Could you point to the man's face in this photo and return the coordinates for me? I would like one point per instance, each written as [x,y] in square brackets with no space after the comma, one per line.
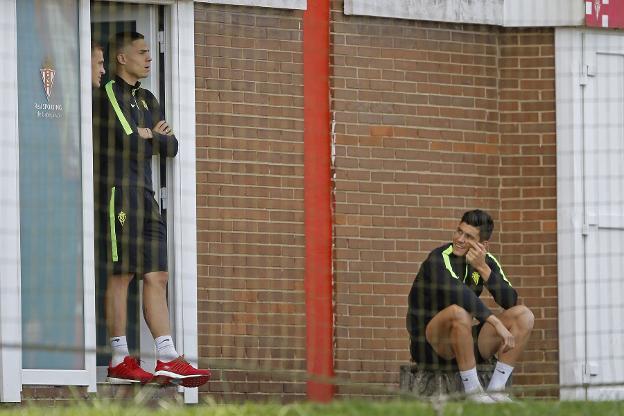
[136,59]
[97,67]
[461,237]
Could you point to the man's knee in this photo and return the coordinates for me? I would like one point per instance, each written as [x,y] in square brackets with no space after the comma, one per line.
[156,278]
[119,281]
[523,317]
[456,317]
[459,315]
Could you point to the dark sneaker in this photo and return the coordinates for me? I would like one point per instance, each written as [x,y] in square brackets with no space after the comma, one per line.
[179,371]
[128,371]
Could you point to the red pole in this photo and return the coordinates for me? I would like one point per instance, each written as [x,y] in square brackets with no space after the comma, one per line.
[317,193]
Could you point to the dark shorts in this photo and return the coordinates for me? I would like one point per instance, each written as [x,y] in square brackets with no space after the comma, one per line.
[423,353]
[131,232]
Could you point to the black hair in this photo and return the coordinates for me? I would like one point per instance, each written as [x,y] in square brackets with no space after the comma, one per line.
[481,220]
[119,41]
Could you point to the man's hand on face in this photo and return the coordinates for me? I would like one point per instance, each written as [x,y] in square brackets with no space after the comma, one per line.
[145,133]
[476,255]
[163,128]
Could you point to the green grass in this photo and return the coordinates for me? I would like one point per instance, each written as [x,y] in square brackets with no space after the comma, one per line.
[337,408]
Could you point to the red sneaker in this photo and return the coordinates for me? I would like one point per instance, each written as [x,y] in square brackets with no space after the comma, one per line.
[128,371]
[179,371]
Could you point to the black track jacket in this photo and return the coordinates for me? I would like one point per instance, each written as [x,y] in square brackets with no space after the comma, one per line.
[445,279]
[121,157]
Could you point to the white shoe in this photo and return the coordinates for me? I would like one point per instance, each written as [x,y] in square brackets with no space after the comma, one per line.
[480,397]
[500,397]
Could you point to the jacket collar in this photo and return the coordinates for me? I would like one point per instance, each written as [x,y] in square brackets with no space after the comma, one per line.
[125,87]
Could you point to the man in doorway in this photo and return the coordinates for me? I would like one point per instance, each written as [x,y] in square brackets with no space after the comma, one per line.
[97,64]
[444,300]
[129,127]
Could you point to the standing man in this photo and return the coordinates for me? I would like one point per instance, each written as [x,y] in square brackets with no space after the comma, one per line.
[129,129]
[444,299]
[97,64]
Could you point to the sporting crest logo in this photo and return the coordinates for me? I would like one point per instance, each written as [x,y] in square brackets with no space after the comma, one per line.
[47,77]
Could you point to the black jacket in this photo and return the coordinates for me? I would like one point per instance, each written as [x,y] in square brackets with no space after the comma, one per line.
[121,157]
[445,279]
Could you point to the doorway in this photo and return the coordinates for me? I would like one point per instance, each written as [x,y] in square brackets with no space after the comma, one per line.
[108,18]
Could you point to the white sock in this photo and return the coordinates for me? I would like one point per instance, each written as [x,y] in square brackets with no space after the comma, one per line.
[165,351]
[119,345]
[471,380]
[500,376]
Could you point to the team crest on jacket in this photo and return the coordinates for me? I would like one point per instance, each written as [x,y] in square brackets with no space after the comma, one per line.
[475,276]
[122,218]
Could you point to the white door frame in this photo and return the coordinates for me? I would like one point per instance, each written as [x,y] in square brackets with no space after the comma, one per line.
[12,375]
[180,98]
[84,377]
[573,216]
[181,111]
[570,210]
[10,270]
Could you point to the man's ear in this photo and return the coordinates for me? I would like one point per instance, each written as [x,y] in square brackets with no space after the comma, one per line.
[486,244]
[121,58]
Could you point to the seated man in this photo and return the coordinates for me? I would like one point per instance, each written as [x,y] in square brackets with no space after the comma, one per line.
[444,299]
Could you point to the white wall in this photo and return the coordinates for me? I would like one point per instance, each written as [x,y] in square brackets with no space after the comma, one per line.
[511,13]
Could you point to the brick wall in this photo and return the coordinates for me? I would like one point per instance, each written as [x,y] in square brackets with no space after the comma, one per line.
[249,95]
[528,190]
[432,119]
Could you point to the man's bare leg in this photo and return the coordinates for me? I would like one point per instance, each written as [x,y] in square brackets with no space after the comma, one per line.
[450,335]
[117,304]
[155,308]
[116,301]
[519,321]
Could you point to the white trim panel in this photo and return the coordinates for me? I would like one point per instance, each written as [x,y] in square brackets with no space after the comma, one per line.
[528,13]
[10,291]
[86,145]
[570,212]
[542,13]
[165,2]
[182,193]
[275,4]
[57,377]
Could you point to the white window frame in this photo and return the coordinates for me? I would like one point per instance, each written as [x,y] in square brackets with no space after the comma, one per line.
[12,374]
[10,290]
[84,377]
[181,96]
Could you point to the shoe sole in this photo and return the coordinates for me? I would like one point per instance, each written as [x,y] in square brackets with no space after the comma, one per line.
[115,380]
[186,381]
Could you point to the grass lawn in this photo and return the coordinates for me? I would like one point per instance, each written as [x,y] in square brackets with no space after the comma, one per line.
[337,408]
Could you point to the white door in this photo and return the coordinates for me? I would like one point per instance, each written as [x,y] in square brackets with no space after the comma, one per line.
[108,18]
[604,208]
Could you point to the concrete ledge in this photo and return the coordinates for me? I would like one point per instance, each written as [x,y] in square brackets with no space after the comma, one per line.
[427,382]
[148,394]
[508,13]
[275,4]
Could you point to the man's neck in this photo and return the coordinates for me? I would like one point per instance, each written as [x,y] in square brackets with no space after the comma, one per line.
[129,79]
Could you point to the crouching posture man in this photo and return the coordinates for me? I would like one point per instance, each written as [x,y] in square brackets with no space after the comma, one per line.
[444,300]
